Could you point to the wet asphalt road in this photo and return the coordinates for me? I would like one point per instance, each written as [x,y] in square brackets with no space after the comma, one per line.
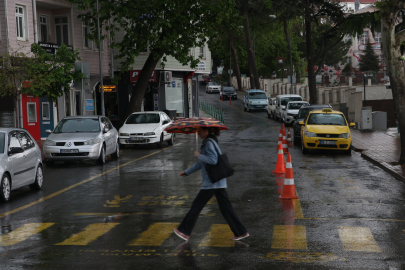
[350,214]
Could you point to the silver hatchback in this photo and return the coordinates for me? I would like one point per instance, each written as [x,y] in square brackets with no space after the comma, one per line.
[82,137]
[20,161]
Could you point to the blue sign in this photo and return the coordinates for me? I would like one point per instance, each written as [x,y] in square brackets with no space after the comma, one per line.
[174,83]
[89,105]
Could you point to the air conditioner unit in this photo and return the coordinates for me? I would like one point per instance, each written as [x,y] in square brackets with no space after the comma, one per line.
[166,76]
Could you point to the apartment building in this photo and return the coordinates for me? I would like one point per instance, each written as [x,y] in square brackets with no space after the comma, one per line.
[51,23]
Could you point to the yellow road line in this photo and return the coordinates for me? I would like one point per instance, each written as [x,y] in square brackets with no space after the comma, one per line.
[155,234]
[298,209]
[89,234]
[78,184]
[22,233]
[219,236]
[358,239]
[289,237]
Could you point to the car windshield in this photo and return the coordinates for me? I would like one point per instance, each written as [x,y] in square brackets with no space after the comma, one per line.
[257,95]
[144,118]
[78,125]
[229,90]
[213,83]
[285,100]
[327,119]
[295,106]
[2,142]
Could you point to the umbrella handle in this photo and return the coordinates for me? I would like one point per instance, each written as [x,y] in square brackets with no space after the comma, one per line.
[196,141]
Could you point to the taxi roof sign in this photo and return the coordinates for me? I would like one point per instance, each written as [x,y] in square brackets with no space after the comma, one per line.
[327,110]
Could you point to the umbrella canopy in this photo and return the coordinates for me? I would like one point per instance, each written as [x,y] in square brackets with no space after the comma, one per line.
[190,125]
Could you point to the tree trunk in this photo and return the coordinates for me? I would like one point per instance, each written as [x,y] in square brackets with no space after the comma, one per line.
[254,82]
[395,70]
[235,60]
[313,97]
[138,93]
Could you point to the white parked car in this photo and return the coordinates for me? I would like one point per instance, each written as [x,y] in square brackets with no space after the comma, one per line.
[212,87]
[291,110]
[146,128]
[271,108]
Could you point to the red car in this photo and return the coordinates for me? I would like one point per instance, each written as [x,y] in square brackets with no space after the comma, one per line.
[207,79]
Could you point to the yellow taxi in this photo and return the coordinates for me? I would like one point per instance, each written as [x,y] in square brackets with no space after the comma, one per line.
[326,129]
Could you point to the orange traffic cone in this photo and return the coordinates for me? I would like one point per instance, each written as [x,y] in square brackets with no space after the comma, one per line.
[284,143]
[280,138]
[289,141]
[280,167]
[289,187]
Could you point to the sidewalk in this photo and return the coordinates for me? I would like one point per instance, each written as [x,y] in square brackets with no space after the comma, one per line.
[381,148]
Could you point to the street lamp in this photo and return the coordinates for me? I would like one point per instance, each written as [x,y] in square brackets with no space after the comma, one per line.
[366,76]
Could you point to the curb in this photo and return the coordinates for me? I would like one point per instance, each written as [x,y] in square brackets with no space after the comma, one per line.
[383,165]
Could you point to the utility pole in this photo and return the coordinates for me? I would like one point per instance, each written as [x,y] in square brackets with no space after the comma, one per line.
[289,45]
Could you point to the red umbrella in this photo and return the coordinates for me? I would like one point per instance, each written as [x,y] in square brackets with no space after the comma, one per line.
[191,125]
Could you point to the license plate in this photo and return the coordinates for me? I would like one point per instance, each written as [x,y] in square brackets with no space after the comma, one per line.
[69,151]
[328,142]
[136,139]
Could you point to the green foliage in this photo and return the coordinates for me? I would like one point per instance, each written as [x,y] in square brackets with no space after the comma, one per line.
[348,69]
[167,27]
[39,74]
[369,60]
[52,74]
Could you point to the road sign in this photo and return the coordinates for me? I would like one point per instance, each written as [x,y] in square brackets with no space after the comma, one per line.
[230,71]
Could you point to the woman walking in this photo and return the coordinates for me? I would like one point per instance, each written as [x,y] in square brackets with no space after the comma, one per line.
[208,155]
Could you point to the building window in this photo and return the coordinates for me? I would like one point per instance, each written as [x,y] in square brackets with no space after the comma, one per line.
[364,38]
[44,28]
[20,22]
[202,52]
[46,114]
[62,30]
[87,44]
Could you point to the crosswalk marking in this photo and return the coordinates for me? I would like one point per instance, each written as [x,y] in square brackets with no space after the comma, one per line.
[89,234]
[22,233]
[219,236]
[155,234]
[358,239]
[289,237]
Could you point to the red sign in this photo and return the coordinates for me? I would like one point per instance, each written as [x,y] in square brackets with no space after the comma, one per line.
[338,73]
[134,75]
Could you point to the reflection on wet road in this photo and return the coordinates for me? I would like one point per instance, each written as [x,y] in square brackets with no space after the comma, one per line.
[349,215]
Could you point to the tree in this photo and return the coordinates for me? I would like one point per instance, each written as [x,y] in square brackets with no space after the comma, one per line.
[369,60]
[38,73]
[167,27]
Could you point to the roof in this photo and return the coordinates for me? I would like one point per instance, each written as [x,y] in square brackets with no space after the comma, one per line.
[83,116]
[145,112]
[317,106]
[8,129]
[289,96]
[298,101]
[320,111]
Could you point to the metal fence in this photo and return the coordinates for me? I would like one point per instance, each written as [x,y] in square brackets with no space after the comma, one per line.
[212,111]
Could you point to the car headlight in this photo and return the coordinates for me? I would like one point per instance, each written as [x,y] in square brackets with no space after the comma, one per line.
[309,134]
[250,101]
[124,134]
[92,141]
[50,143]
[344,135]
[149,133]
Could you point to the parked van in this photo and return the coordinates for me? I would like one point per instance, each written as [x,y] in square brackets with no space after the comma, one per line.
[281,102]
[255,99]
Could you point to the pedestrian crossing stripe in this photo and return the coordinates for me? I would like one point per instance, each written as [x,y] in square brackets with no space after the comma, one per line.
[22,233]
[219,236]
[88,235]
[289,237]
[358,239]
[155,235]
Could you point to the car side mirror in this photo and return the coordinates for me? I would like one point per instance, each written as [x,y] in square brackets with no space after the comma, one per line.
[15,150]
[301,122]
[48,131]
[352,124]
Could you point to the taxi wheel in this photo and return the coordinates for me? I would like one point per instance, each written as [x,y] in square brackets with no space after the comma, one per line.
[304,150]
[348,151]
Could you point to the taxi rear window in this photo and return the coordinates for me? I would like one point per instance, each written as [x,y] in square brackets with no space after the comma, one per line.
[326,119]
